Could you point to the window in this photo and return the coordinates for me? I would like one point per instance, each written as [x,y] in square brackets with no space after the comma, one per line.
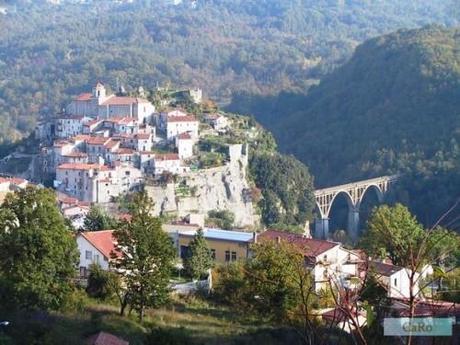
[233,256]
[213,254]
[88,255]
[227,256]
[183,252]
[82,272]
[395,282]
[96,259]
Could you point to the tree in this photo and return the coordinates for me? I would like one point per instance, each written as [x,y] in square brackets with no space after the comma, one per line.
[198,259]
[147,256]
[98,219]
[38,255]
[223,219]
[394,232]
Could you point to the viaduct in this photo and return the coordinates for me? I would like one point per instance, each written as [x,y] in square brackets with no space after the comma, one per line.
[354,193]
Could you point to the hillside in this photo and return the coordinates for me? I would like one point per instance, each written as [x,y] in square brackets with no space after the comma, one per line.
[394,107]
[50,52]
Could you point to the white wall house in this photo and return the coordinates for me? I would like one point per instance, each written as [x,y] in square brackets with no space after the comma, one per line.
[394,279]
[167,162]
[69,126]
[329,261]
[184,145]
[217,121]
[95,182]
[95,247]
[181,124]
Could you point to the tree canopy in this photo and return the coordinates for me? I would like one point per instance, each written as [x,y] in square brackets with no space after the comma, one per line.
[147,255]
[38,254]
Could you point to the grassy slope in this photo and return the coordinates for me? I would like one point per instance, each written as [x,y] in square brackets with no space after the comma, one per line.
[194,320]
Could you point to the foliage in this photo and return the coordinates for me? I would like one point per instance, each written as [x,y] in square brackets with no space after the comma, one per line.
[38,254]
[359,122]
[257,46]
[102,284]
[147,256]
[198,259]
[394,232]
[222,219]
[229,284]
[451,287]
[287,189]
[97,219]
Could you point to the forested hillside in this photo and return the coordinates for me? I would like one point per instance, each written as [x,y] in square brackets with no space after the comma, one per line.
[393,108]
[48,52]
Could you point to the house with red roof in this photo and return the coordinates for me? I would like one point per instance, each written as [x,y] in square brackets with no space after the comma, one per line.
[184,145]
[329,261]
[95,247]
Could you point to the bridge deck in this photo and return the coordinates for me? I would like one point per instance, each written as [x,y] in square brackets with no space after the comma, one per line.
[357,184]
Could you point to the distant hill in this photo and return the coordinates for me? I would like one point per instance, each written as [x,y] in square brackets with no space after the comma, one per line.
[49,52]
[399,92]
[393,108]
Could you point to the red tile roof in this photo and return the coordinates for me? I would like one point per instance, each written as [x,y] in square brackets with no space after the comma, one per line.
[103,240]
[111,143]
[142,136]
[383,269]
[187,118]
[431,308]
[97,140]
[84,97]
[116,100]
[76,154]
[82,166]
[166,156]
[103,338]
[311,247]
[124,151]
[184,136]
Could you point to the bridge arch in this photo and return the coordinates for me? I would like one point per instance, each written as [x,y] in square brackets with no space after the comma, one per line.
[354,194]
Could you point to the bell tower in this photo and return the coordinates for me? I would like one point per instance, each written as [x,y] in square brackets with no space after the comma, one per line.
[99,93]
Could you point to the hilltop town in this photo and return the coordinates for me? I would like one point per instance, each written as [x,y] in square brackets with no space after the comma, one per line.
[105,146]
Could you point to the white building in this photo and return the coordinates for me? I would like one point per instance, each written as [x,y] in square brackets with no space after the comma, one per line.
[95,182]
[394,279]
[184,145]
[69,126]
[217,121]
[99,104]
[331,264]
[167,162]
[95,247]
[176,125]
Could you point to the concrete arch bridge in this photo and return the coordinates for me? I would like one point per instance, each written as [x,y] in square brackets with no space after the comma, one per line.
[354,194]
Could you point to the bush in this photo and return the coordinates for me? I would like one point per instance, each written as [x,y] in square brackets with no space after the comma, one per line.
[101,283]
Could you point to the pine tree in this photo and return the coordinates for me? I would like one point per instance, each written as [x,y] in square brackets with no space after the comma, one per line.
[38,255]
[147,256]
[97,219]
[199,258]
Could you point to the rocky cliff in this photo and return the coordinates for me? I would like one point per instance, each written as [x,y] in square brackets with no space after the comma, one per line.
[220,188]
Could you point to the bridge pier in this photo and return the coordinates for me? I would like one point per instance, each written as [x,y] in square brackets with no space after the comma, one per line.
[322,228]
[353,223]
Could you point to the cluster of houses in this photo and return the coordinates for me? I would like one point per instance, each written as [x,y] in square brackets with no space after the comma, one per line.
[105,144]
[329,261]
